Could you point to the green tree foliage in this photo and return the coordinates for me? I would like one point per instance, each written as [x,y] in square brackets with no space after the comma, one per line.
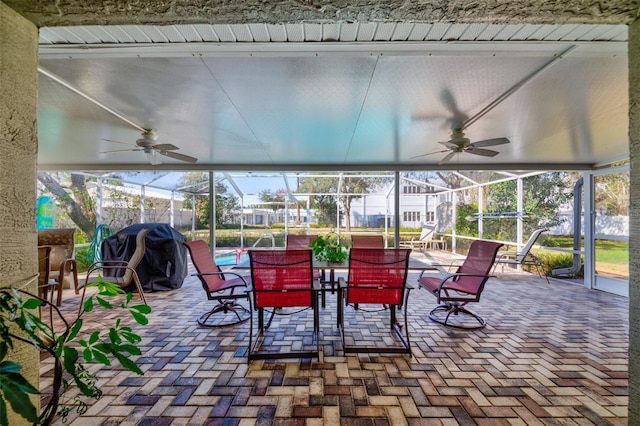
[227,205]
[543,195]
[323,198]
[464,226]
[612,194]
[273,201]
[71,195]
[79,205]
[325,189]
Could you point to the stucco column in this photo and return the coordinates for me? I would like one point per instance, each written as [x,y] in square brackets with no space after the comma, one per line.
[634,221]
[18,150]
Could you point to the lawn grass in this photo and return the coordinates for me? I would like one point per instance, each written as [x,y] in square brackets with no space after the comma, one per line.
[612,257]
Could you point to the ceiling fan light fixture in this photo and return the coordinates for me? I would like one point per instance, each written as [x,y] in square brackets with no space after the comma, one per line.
[153,158]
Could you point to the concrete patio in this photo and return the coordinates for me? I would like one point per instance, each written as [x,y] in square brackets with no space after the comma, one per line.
[550,354]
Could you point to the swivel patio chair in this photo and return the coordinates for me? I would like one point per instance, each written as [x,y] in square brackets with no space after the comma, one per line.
[455,291]
[119,272]
[367,241]
[524,257]
[282,279]
[376,277]
[225,288]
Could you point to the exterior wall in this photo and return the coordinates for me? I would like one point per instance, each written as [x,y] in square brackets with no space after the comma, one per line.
[634,242]
[370,209]
[100,12]
[18,149]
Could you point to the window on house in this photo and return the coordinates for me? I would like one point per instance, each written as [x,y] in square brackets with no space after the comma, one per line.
[411,216]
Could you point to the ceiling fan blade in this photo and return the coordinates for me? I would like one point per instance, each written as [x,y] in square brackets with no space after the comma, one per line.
[491,142]
[120,142]
[447,157]
[177,156]
[120,150]
[430,153]
[479,151]
[165,147]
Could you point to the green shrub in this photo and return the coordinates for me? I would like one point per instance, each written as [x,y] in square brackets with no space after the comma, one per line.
[552,260]
[81,258]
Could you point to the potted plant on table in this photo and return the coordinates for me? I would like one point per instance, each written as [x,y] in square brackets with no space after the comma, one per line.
[69,345]
[329,248]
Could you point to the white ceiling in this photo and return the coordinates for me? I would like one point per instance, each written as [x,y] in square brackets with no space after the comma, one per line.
[275,97]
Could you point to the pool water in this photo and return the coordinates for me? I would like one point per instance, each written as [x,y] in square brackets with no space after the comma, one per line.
[229,259]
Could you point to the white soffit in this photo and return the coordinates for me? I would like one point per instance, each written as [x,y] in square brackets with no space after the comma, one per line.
[342,32]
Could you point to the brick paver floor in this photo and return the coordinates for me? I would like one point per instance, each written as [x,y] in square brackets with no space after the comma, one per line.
[550,354]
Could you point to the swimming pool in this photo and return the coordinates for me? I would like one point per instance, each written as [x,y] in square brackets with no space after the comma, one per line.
[231,258]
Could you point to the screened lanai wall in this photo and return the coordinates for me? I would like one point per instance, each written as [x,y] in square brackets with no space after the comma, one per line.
[419,198]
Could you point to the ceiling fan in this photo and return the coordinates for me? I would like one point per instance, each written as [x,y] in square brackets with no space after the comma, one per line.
[459,144]
[147,144]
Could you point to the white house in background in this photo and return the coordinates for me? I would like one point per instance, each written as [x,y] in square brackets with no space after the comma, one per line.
[418,204]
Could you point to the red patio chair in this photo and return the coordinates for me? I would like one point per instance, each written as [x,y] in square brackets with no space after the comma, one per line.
[377,277]
[295,241]
[367,241]
[281,279]
[456,290]
[219,288]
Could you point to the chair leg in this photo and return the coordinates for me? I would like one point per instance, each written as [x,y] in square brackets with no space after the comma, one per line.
[455,309]
[84,290]
[538,264]
[225,307]
[136,280]
[404,348]
[74,274]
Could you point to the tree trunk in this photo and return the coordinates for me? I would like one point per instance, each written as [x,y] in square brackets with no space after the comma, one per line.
[71,207]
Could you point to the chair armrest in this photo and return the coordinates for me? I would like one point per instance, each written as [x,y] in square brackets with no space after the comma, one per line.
[342,283]
[506,255]
[448,277]
[67,265]
[113,264]
[243,279]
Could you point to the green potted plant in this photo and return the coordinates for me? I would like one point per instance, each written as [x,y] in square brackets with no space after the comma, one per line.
[68,343]
[329,248]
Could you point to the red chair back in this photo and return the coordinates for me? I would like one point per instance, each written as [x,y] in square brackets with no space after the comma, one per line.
[480,259]
[281,278]
[377,275]
[367,241]
[299,241]
[203,262]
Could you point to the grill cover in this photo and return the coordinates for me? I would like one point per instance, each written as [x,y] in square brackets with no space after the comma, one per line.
[164,265]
